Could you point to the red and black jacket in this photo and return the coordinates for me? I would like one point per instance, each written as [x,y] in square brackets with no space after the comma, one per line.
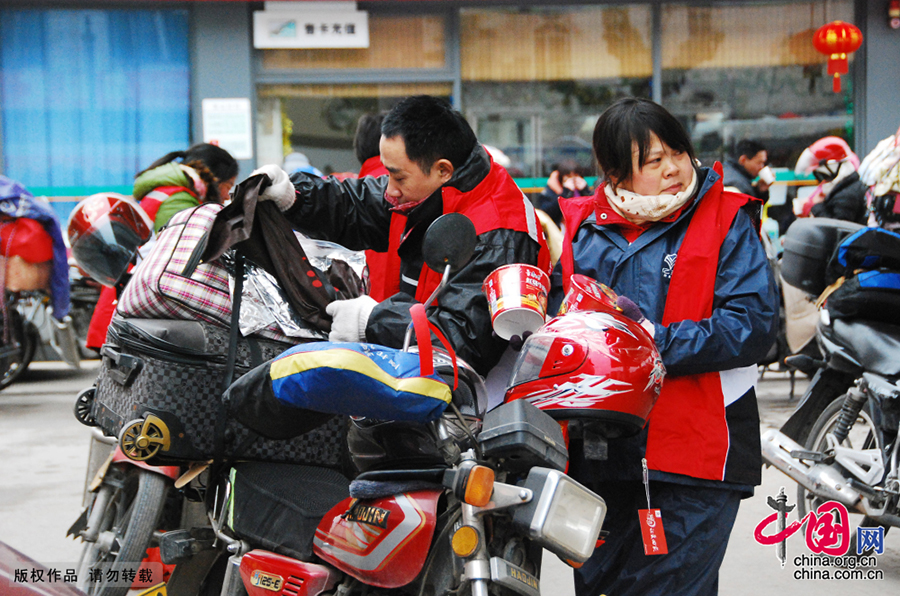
[354,213]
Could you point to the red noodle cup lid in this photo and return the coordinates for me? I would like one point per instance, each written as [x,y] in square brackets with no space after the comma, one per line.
[517,298]
[588,294]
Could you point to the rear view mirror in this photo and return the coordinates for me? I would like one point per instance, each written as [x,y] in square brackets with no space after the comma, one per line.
[449,240]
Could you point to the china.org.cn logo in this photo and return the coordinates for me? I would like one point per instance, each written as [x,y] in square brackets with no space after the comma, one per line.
[828,537]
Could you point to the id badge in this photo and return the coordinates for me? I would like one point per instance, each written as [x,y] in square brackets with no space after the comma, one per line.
[652,532]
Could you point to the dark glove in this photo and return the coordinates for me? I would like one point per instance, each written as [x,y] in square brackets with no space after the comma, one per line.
[633,312]
[516,342]
[630,309]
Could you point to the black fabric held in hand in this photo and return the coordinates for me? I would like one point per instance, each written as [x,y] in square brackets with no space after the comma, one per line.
[265,236]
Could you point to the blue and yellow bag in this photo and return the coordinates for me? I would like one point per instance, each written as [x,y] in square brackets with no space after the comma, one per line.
[303,387]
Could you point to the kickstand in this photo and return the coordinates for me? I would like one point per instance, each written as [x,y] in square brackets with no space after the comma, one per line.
[793,381]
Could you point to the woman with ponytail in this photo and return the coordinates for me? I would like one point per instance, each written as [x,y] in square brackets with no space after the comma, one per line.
[176,181]
[183,179]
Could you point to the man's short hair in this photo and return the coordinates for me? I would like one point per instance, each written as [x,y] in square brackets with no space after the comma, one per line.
[368,135]
[747,148]
[431,130]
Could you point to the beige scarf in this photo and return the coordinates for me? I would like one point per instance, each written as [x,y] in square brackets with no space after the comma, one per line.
[641,209]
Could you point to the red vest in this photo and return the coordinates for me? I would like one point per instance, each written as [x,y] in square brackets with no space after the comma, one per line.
[687,429]
[496,203]
[379,263]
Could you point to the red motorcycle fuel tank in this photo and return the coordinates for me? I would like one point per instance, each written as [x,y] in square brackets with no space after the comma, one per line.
[265,573]
[381,542]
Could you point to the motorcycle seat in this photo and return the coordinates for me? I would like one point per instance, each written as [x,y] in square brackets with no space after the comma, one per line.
[874,345]
[279,506]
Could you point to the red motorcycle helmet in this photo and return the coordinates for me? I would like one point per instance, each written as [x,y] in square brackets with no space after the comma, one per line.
[105,231]
[823,158]
[597,366]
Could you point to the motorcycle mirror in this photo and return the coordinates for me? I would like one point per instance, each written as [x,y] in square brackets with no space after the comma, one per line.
[449,240]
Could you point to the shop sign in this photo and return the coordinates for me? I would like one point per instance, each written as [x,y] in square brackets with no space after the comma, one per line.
[310,25]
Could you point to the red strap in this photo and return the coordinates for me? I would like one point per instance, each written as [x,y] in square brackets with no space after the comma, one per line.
[423,328]
[423,339]
[450,351]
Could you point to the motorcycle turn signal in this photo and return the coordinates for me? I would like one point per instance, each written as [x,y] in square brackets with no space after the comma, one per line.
[471,483]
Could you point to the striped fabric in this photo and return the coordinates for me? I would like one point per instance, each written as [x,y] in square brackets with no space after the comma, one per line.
[159,289]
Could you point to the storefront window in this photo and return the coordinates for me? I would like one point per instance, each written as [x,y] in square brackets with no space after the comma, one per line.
[421,45]
[320,120]
[536,79]
[90,97]
[734,72]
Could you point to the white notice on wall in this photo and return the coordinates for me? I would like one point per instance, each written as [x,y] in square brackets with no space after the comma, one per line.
[227,123]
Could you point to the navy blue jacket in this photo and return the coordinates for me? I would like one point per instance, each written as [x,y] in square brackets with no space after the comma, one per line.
[745,307]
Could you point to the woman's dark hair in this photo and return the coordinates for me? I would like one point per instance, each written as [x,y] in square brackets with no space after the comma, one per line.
[630,121]
[212,163]
[368,136]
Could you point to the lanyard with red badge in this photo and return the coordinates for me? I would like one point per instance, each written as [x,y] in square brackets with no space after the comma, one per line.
[651,523]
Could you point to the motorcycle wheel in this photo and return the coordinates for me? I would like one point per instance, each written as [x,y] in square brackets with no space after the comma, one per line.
[18,353]
[126,528]
[862,435]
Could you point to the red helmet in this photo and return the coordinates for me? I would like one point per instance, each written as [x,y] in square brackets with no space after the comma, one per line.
[105,231]
[594,366]
[824,152]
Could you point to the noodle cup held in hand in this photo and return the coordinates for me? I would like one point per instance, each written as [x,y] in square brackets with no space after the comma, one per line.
[517,298]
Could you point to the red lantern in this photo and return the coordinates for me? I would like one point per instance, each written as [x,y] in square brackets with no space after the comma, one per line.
[836,40]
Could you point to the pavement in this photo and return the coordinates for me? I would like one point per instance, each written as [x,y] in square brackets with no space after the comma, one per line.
[44,450]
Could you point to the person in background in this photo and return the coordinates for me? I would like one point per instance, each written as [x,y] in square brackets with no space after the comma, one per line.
[184,179]
[298,162]
[686,261]
[366,146]
[178,180]
[435,166]
[746,162]
[840,194]
[565,181]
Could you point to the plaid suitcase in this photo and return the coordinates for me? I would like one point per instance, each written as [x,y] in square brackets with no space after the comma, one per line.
[169,374]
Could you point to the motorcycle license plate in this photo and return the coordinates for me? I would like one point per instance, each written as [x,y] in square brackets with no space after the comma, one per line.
[159,590]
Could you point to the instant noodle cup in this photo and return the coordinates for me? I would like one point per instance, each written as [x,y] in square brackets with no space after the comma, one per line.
[588,294]
[517,298]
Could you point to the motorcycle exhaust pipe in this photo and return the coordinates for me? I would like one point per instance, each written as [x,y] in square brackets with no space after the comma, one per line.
[825,481]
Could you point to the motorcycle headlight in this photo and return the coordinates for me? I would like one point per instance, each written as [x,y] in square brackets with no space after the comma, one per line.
[564,517]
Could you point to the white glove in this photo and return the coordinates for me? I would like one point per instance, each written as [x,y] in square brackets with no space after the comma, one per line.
[281,191]
[349,318]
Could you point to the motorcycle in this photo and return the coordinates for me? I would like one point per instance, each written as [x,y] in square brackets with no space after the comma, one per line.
[850,453]
[29,324]
[840,443]
[125,503]
[492,494]
[486,492]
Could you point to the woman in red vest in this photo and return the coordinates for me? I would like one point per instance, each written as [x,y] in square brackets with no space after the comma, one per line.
[687,260]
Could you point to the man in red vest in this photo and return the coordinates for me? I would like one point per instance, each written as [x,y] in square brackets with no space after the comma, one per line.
[687,263]
[435,166]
